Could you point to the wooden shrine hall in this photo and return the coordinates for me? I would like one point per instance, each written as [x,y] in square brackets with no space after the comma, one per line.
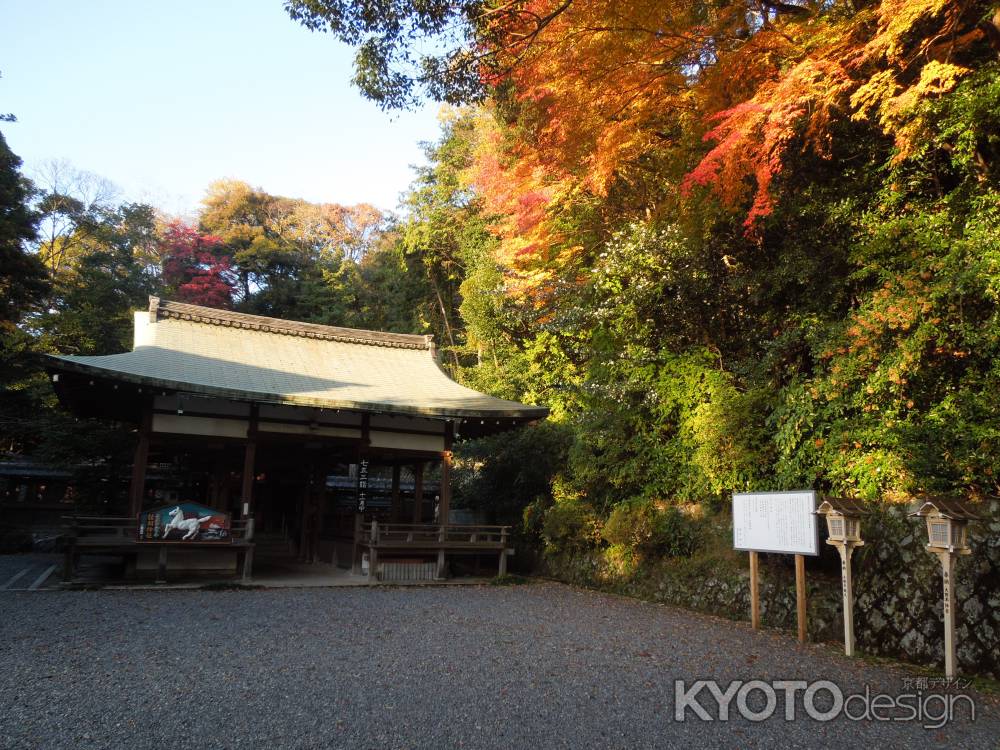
[320,443]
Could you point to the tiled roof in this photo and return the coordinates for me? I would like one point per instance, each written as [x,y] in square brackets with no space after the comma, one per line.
[164,309]
[187,348]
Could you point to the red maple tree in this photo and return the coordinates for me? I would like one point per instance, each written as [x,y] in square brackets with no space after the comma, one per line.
[194,267]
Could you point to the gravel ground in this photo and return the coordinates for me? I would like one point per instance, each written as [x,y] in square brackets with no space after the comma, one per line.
[540,665]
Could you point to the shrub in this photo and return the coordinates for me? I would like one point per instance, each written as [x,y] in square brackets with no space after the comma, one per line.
[651,529]
[569,526]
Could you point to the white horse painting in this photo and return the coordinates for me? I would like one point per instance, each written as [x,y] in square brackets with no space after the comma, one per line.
[189,526]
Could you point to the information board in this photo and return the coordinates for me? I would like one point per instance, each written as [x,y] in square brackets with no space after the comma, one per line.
[776,522]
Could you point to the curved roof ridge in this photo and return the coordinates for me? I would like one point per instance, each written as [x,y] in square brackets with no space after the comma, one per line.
[160,309]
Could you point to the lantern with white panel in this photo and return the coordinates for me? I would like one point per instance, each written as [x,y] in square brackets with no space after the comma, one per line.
[843,525]
[947,536]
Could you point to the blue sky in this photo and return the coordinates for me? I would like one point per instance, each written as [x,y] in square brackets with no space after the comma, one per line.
[164,97]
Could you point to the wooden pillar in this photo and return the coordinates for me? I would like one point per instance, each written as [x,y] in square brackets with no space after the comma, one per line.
[800,595]
[249,461]
[356,546]
[71,559]
[359,514]
[503,553]
[219,496]
[246,564]
[445,506]
[397,500]
[305,516]
[441,561]
[161,564]
[373,552]
[418,493]
[754,592]
[313,512]
[137,485]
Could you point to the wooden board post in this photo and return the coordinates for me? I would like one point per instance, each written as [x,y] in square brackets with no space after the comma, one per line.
[782,522]
[800,595]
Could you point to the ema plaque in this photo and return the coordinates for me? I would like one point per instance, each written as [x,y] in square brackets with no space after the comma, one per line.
[184,522]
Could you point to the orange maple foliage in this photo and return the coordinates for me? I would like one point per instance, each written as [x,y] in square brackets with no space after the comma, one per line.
[877,64]
[594,91]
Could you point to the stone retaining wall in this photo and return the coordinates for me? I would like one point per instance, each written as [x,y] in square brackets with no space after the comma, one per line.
[897,586]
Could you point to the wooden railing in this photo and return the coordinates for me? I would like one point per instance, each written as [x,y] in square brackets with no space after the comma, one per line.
[119,535]
[386,538]
[433,535]
[124,529]
[104,528]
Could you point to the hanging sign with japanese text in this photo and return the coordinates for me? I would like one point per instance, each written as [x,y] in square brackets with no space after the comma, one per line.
[362,485]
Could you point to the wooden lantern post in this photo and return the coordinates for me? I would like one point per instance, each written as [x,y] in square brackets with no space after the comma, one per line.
[948,537]
[843,523]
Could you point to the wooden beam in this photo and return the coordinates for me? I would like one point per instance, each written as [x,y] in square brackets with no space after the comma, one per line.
[418,493]
[137,485]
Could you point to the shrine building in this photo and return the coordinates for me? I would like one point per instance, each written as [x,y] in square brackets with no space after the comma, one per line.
[313,437]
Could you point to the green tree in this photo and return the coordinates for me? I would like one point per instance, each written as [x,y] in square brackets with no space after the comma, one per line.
[23,286]
[23,280]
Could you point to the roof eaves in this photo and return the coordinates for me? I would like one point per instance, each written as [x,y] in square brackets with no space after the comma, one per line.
[66,363]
